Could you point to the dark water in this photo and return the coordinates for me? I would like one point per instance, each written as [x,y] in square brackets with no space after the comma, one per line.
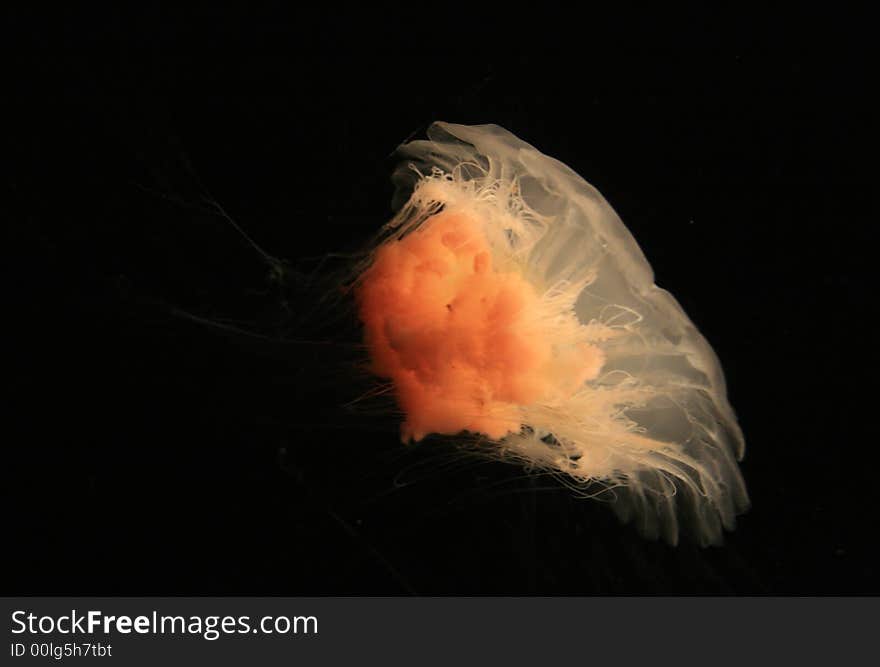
[147,452]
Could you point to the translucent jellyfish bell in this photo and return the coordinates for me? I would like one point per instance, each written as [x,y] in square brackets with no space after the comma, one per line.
[506,299]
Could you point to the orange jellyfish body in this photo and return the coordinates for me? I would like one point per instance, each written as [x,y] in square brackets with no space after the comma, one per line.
[455,335]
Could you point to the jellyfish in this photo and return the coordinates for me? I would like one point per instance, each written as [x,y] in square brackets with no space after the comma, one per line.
[505,301]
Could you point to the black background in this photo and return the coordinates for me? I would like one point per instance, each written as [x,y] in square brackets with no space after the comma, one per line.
[149,453]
